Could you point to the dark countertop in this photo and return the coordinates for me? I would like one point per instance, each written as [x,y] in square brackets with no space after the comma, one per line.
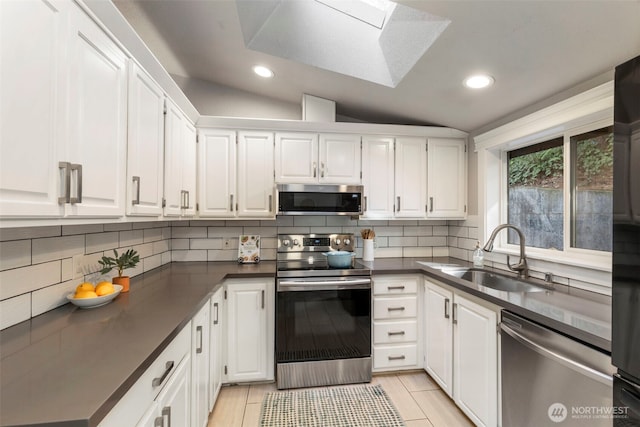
[582,315]
[70,366]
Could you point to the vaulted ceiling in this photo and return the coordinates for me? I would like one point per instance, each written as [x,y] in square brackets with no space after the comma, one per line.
[534,49]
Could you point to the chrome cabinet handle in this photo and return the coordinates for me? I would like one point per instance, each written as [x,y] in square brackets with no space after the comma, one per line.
[231,202]
[321,169]
[395,333]
[314,170]
[136,181]
[66,197]
[430,204]
[188,203]
[398,203]
[455,313]
[159,380]
[270,203]
[215,306]
[395,288]
[397,357]
[78,169]
[446,308]
[395,309]
[365,203]
[263,298]
[158,422]
[166,412]
[199,332]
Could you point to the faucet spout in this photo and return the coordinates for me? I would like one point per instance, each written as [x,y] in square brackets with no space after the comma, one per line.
[521,266]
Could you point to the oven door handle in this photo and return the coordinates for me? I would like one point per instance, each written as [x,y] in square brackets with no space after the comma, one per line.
[322,285]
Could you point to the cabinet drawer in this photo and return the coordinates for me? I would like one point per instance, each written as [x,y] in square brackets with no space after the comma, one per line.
[394,332]
[404,285]
[141,395]
[395,356]
[394,307]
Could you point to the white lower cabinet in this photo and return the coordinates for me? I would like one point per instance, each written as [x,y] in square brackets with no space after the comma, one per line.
[250,328]
[395,322]
[173,402]
[200,363]
[216,344]
[461,351]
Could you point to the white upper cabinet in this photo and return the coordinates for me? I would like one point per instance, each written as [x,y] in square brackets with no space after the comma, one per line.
[378,176]
[32,115]
[145,147]
[447,178]
[411,177]
[255,175]
[68,125]
[96,139]
[179,164]
[235,174]
[339,159]
[297,158]
[306,158]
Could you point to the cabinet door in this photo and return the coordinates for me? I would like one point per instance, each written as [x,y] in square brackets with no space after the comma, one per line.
[150,416]
[250,310]
[173,160]
[438,343]
[33,36]
[200,352]
[173,400]
[447,178]
[189,168]
[216,346]
[340,159]
[378,176]
[97,119]
[475,361]
[255,175]
[411,177]
[296,158]
[217,173]
[145,144]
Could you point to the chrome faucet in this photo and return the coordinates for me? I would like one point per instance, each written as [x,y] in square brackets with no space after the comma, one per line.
[521,267]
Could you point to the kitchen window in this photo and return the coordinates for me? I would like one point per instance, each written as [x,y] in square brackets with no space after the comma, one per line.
[539,190]
[549,173]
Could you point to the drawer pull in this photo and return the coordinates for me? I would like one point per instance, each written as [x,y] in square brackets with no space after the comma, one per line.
[397,357]
[199,335]
[395,309]
[158,422]
[395,288]
[391,333]
[166,412]
[159,380]
[446,308]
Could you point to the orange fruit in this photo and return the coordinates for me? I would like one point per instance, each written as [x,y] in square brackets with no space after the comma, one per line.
[85,294]
[104,288]
[86,286]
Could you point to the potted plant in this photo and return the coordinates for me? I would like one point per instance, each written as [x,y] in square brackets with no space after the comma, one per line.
[127,259]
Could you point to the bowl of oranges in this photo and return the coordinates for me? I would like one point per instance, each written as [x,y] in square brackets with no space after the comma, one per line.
[89,296]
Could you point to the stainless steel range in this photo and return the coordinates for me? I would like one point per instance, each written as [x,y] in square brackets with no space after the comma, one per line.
[323,314]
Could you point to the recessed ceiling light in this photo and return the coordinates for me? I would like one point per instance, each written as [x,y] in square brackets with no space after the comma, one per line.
[263,71]
[478,81]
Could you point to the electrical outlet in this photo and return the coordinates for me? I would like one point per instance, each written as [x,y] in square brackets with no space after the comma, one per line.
[226,243]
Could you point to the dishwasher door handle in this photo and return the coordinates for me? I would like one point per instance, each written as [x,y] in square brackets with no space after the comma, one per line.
[563,360]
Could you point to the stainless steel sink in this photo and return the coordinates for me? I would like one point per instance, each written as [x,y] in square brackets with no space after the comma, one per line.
[493,280]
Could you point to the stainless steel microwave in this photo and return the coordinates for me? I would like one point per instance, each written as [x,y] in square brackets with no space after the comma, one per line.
[318,199]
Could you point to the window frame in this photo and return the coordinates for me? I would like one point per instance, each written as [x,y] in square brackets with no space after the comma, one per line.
[586,111]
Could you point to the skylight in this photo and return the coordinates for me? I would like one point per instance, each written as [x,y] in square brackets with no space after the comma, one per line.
[373,12]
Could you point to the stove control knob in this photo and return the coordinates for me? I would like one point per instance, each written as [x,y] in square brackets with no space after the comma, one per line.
[337,241]
[347,242]
[295,242]
[285,243]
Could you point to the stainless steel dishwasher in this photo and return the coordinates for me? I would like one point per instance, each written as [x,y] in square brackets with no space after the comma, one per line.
[549,379]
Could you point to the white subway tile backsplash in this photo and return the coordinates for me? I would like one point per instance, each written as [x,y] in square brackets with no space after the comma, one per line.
[151,262]
[204,223]
[293,230]
[188,232]
[340,221]
[29,232]
[403,241]
[68,230]
[432,241]
[152,234]
[101,242]
[221,255]
[119,226]
[423,230]
[177,244]
[261,231]
[440,230]
[28,279]
[309,221]
[243,223]
[144,250]
[206,243]
[388,231]
[417,252]
[180,256]
[224,232]
[160,246]
[53,296]
[322,230]
[152,224]
[67,269]
[281,221]
[14,254]
[388,252]
[130,238]
[440,251]
[55,248]
[15,310]
[166,257]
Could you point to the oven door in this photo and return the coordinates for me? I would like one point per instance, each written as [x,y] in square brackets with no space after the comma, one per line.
[323,319]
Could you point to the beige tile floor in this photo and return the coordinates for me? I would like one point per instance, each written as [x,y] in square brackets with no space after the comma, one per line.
[418,399]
